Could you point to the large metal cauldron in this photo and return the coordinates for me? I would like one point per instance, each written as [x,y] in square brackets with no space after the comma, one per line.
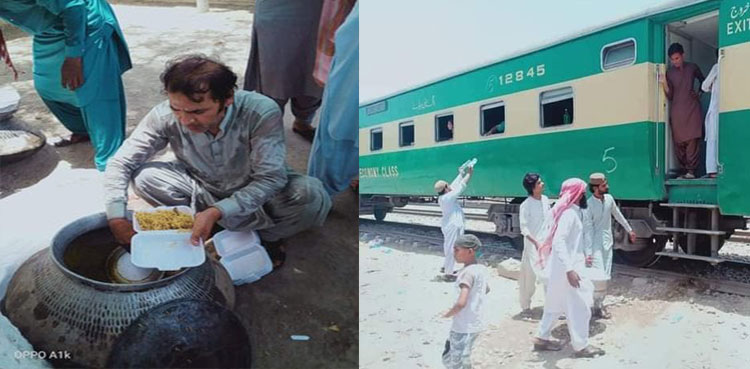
[59,310]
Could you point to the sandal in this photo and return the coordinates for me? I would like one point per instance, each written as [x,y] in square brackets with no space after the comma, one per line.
[588,351]
[276,252]
[546,345]
[308,134]
[71,140]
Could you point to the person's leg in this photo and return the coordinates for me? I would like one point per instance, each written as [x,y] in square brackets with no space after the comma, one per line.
[458,344]
[543,339]
[467,343]
[692,155]
[304,108]
[546,324]
[711,157]
[168,184]
[449,238]
[71,118]
[578,312]
[303,203]
[281,103]
[681,154]
[105,122]
[526,281]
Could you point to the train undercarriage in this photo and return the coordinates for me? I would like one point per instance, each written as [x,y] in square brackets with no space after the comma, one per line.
[697,231]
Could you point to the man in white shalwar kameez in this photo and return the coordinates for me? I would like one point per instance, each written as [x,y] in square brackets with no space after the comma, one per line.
[711,84]
[452,223]
[569,290]
[598,235]
[534,211]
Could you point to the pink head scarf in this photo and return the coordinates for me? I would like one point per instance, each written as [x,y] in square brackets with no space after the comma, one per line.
[570,193]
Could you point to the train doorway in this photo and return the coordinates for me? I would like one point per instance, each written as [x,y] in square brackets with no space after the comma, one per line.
[699,36]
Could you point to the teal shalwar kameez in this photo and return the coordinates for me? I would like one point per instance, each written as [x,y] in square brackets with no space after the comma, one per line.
[78,28]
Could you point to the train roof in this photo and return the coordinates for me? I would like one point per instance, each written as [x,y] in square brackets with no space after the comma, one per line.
[669,6]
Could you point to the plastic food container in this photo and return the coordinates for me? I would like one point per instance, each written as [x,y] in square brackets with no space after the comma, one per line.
[165,250]
[242,256]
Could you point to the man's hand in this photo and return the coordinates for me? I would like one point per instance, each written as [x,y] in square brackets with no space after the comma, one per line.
[662,79]
[122,230]
[72,73]
[589,261]
[470,170]
[632,237]
[573,278]
[204,222]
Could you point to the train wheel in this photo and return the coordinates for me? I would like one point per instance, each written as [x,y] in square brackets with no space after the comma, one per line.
[380,213]
[646,256]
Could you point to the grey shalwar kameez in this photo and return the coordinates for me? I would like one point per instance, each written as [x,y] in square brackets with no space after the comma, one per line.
[241,171]
[282,54]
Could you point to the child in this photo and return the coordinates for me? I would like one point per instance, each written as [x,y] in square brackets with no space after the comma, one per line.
[467,313]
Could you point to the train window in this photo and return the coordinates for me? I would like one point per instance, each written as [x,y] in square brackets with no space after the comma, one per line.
[556,107]
[492,119]
[618,54]
[376,139]
[406,134]
[444,127]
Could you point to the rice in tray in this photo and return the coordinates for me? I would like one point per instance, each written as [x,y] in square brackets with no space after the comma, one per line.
[162,220]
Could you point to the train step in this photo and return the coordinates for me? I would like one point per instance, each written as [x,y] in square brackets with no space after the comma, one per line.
[691,182]
[688,205]
[677,255]
[739,238]
[690,230]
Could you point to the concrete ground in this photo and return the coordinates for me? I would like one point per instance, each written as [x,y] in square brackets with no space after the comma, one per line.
[656,323]
[314,294]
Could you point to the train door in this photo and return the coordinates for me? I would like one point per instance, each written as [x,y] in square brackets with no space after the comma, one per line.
[734,108]
[699,38]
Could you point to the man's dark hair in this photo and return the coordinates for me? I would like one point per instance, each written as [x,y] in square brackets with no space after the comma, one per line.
[196,74]
[583,202]
[593,187]
[529,182]
[675,48]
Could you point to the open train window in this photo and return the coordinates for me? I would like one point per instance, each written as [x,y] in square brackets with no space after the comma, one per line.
[618,54]
[406,134]
[376,139]
[556,107]
[492,119]
[444,127]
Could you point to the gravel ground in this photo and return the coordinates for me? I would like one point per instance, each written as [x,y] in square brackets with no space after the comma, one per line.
[657,323]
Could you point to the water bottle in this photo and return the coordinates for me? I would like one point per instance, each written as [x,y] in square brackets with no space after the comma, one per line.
[468,164]
[566,117]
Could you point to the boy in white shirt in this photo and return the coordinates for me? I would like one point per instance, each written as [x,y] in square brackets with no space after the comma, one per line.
[468,311]
[534,211]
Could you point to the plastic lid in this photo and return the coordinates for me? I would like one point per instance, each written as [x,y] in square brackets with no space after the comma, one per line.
[166,250]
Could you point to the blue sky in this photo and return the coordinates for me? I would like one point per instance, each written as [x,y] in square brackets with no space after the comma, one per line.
[408,42]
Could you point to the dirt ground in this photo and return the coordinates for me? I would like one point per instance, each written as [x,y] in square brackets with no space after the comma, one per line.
[314,294]
[656,323]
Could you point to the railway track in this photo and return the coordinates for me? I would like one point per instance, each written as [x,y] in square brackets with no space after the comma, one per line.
[728,277]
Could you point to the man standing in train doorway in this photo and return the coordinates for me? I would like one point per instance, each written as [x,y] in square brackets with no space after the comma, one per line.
[452,224]
[685,118]
[598,235]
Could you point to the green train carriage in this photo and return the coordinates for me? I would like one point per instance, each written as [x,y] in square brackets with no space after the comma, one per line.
[584,104]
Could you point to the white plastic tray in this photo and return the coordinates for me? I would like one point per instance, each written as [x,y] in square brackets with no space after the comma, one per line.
[166,250]
[242,255]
